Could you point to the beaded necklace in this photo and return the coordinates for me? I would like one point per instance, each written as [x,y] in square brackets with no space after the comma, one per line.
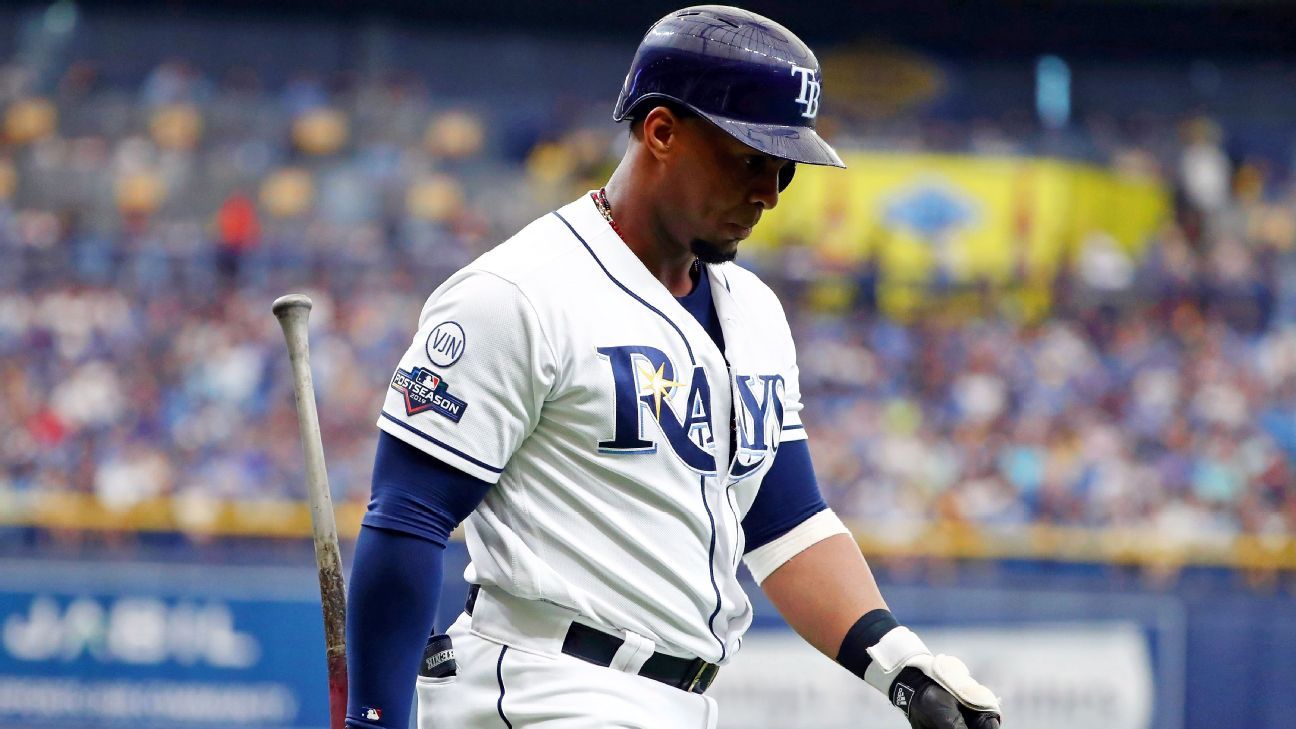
[605,208]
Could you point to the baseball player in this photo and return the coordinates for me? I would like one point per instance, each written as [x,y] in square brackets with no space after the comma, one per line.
[613,407]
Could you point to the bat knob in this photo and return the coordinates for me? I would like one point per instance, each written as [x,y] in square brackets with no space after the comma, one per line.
[288,302]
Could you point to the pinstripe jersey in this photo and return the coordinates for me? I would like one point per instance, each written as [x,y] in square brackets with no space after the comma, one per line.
[559,369]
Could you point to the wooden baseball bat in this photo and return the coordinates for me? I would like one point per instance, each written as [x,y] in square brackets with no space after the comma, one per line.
[293,311]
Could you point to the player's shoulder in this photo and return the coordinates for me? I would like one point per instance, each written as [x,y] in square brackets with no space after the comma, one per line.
[532,269]
[760,304]
[537,252]
[747,288]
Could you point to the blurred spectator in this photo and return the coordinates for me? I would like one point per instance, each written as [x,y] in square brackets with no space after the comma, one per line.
[238,230]
[1204,169]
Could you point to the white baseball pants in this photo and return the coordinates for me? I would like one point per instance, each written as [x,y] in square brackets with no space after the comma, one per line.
[513,675]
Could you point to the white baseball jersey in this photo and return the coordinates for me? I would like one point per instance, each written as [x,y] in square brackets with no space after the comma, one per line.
[558,368]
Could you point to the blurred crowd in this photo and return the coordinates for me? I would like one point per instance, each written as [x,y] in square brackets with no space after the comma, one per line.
[1158,395]
[145,231]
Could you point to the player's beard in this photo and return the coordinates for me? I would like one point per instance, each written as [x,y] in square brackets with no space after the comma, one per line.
[708,252]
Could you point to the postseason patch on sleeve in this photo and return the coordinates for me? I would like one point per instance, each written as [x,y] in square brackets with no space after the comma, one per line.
[426,390]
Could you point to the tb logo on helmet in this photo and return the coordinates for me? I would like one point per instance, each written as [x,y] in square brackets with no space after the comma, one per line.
[809,91]
[690,57]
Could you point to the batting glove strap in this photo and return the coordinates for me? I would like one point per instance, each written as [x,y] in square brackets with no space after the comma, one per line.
[890,654]
[900,648]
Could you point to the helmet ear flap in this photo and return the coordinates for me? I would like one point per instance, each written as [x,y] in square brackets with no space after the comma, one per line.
[785,175]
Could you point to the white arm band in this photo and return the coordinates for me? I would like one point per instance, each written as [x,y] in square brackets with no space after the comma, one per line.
[762,561]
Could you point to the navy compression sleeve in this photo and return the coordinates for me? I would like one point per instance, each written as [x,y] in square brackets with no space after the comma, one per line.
[396,577]
[392,599]
[418,494]
[788,495]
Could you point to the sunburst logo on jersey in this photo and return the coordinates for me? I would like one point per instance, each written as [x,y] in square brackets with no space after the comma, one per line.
[643,376]
[657,385]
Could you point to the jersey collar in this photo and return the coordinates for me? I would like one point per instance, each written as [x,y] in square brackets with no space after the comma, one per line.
[727,309]
[621,264]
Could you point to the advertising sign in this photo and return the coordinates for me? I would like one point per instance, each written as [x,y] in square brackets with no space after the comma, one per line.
[160,653]
[1066,676]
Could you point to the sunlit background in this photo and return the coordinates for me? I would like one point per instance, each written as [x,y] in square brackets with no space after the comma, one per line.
[1046,325]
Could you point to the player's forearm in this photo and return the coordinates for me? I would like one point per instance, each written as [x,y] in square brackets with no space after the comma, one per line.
[395,584]
[823,591]
[827,594]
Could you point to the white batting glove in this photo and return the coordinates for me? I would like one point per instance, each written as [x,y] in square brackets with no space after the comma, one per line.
[934,692]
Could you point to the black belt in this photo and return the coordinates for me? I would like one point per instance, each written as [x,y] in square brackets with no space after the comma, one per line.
[594,646]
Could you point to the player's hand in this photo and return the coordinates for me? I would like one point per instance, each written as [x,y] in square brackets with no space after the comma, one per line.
[928,705]
[934,692]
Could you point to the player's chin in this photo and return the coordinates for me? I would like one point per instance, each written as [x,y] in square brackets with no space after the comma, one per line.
[722,251]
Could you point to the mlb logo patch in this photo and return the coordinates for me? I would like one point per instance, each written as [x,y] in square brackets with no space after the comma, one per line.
[425,390]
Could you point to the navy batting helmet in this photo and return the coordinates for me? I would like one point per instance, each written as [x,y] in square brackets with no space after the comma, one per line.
[741,71]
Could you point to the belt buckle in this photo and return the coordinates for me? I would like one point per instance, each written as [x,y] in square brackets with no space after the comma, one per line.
[704,674]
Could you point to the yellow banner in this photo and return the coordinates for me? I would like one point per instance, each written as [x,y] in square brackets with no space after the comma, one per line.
[926,218]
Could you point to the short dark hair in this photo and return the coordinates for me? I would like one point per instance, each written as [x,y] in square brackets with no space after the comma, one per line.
[641,110]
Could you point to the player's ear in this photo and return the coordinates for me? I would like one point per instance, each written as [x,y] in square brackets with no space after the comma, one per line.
[661,128]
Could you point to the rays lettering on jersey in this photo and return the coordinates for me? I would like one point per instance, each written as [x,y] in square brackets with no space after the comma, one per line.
[644,383]
[761,396]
